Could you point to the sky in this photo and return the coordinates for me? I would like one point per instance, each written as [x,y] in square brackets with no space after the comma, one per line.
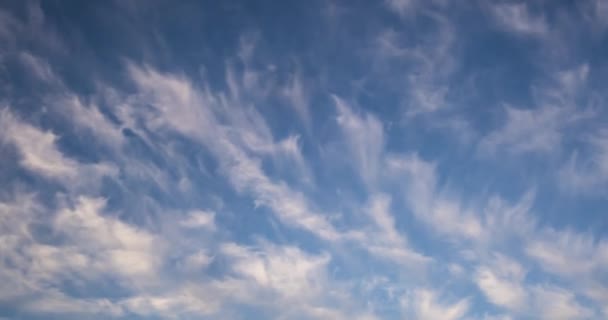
[397,159]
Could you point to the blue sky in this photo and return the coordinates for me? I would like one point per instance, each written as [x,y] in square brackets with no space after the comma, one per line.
[399,159]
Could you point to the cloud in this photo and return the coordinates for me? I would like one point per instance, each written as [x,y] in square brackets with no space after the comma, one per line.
[82,246]
[517,18]
[92,244]
[89,117]
[199,199]
[31,25]
[190,300]
[56,303]
[39,153]
[39,68]
[542,128]
[586,172]
[429,65]
[296,94]
[426,304]
[598,10]
[285,270]
[67,103]
[121,248]
[14,217]
[423,196]
[199,219]
[386,241]
[193,115]
[556,303]
[96,247]
[364,136]
[503,280]
[524,131]
[568,253]
[273,276]
[244,172]
[37,148]
[400,7]
[501,283]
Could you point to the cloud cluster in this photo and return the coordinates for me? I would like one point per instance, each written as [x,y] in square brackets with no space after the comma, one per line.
[224,180]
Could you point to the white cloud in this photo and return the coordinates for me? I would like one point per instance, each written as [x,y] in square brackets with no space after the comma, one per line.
[70,105]
[8,26]
[422,194]
[39,68]
[37,148]
[598,12]
[92,247]
[542,128]
[14,219]
[285,270]
[196,261]
[199,219]
[386,241]
[57,303]
[379,212]
[504,220]
[189,300]
[534,130]
[587,173]
[364,135]
[182,108]
[517,18]
[400,7]
[107,243]
[165,275]
[570,82]
[89,246]
[89,117]
[497,317]
[178,104]
[429,65]
[298,98]
[39,153]
[276,276]
[501,283]
[553,303]
[503,280]
[568,253]
[31,26]
[425,304]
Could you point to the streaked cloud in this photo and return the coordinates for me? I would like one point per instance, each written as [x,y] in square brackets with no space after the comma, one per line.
[518,18]
[390,160]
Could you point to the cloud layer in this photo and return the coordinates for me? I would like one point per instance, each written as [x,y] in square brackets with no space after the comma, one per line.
[328,160]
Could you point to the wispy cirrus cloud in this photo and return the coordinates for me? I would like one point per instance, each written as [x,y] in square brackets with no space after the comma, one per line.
[39,153]
[385,161]
[519,19]
[364,137]
[427,304]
